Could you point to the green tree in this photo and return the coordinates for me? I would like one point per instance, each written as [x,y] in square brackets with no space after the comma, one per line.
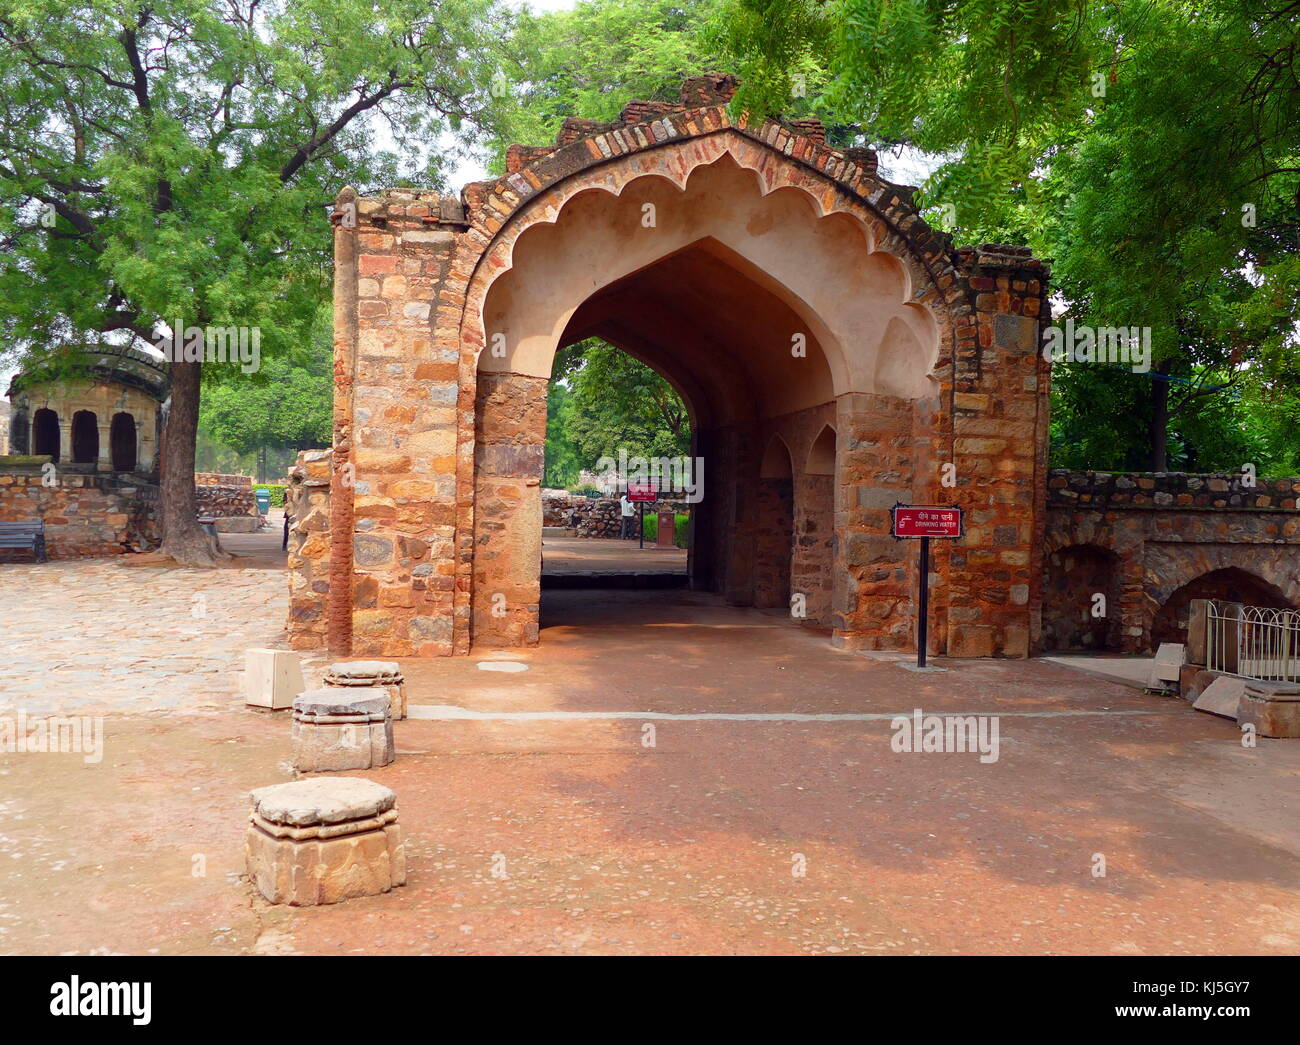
[1129,142]
[285,406]
[562,461]
[178,159]
[592,60]
[619,403]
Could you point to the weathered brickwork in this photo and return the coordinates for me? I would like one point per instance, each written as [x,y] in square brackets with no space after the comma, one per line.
[1152,542]
[925,370]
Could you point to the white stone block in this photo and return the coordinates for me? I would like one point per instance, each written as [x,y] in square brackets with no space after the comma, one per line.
[1169,658]
[272,678]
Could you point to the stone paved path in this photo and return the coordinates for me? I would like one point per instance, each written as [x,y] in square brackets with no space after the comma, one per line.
[104,635]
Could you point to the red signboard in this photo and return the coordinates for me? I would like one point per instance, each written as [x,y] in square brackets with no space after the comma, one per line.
[927,520]
[642,492]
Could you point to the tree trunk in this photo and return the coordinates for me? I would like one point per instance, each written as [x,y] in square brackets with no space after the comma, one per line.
[1159,427]
[183,538]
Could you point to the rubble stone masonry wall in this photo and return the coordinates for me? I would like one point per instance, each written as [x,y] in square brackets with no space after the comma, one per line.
[1142,539]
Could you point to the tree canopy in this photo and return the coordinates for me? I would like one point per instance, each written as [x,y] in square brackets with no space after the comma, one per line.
[1152,149]
[175,161]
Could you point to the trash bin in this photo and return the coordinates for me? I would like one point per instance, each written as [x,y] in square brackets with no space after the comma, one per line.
[666,532]
[263,496]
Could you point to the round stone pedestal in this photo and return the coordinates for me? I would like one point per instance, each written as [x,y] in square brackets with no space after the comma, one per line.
[370,673]
[337,729]
[324,840]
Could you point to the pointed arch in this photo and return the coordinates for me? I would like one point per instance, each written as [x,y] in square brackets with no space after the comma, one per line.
[821,454]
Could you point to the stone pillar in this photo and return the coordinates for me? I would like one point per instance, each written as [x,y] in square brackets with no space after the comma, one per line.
[105,461]
[999,425]
[510,447]
[393,539]
[338,604]
[873,603]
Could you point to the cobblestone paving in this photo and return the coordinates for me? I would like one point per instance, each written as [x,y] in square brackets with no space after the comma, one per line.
[100,634]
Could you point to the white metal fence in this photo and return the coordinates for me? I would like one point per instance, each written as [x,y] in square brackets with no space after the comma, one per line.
[1253,641]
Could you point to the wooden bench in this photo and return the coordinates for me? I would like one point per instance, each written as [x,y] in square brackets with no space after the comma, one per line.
[30,535]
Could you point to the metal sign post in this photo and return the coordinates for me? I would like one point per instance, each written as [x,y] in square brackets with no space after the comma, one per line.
[923,521]
[640,493]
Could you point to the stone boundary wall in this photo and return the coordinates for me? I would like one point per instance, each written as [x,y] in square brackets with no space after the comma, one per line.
[1101,490]
[597,516]
[225,502]
[84,515]
[1142,538]
[221,479]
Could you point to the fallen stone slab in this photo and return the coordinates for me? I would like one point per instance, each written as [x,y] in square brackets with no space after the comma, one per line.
[324,841]
[238,524]
[1221,696]
[342,728]
[1273,708]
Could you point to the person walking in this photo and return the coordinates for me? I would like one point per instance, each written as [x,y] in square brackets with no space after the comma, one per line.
[628,511]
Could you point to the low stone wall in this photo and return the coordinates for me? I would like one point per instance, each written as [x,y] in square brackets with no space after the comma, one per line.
[224,496]
[222,479]
[1101,490]
[307,500]
[1149,543]
[595,516]
[84,515]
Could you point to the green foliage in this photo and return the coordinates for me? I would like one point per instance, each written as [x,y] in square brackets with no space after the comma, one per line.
[1123,140]
[617,403]
[282,406]
[592,60]
[177,159]
[562,463]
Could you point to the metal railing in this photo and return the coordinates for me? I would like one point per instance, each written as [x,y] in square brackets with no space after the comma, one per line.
[1253,641]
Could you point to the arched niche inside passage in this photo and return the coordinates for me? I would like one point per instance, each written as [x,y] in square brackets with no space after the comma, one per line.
[777,463]
[716,236]
[821,455]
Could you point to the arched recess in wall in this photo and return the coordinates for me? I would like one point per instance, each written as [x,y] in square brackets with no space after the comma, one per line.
[122,442]
[45,433]
[774,542]
[821,455]
[1229,584]
[85,437]
[777,461]
[1081,605]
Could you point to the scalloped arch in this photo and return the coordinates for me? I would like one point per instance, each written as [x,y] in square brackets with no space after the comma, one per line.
[835,302]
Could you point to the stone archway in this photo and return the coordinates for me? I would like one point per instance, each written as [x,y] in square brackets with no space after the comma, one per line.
[781,284]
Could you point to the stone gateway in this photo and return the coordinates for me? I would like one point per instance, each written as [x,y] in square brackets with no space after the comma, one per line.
[836,354]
